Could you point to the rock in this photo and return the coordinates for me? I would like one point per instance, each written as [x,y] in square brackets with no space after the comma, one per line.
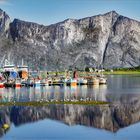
[109,40]
[4,23]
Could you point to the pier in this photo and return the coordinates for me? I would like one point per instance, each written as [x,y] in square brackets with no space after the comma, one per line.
[19,76]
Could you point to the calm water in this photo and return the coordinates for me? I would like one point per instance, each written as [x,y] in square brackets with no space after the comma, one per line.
[117,121]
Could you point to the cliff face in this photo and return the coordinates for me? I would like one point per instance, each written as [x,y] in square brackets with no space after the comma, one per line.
[4,23]
[108,40]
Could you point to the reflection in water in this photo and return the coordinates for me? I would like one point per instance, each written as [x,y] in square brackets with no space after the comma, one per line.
[124,110]
[109,117]
[53,92]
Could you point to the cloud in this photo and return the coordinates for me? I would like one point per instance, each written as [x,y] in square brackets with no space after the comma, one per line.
[4,2]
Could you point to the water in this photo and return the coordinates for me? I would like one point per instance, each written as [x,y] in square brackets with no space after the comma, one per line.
[117,121]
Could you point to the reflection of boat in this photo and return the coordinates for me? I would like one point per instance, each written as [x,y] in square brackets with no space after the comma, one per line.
[37,83]
[28,82]
[5,126]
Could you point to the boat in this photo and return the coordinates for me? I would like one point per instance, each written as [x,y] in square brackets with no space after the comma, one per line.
[102,80]
[71,82]
[2,80]
[82,81]
[23,71]
[9,73]
[95,81]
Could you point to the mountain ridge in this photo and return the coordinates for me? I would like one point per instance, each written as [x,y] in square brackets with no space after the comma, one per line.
[74,19]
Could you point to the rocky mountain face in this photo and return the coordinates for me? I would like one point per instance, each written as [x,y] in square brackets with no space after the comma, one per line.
[109,40]
[4,23]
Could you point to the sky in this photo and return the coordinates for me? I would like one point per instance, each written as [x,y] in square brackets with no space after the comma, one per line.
[48,12]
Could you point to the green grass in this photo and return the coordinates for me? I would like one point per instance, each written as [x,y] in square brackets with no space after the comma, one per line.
[42,103]
[122,72]
[81,74]
[133,70]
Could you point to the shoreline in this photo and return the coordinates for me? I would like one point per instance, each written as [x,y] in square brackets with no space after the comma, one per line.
[122,72]
[40,103]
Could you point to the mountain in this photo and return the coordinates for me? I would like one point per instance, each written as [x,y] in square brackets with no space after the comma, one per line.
[109,40]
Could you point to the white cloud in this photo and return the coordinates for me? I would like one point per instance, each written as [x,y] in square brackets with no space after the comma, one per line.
[4,2]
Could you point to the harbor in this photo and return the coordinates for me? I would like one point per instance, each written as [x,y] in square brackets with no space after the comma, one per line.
[18,76]
[69,70]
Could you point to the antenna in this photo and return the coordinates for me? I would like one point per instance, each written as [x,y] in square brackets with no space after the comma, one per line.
[2,60]
[22,62]
[6,62]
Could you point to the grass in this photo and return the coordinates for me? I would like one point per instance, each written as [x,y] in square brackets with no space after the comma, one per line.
[122,72]
[42,103]
[134,70]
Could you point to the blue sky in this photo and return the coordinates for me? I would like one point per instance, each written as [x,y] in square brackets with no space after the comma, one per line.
[52,11]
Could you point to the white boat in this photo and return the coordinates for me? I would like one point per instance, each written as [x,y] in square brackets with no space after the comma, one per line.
[102,80]
[9,73]
[96,81]
[82,81]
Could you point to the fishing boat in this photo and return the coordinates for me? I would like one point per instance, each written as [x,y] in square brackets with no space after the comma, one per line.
[95,81]
[23,71]
[102,80]
[82,81]
[2,80]
[9,73]
[71,82]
